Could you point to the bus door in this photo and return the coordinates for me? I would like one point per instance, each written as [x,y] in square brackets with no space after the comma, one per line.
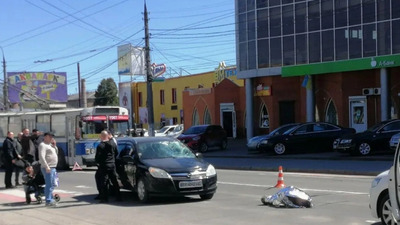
[70,136]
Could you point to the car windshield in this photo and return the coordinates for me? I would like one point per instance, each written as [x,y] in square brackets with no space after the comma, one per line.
[196,130]
[375,127]
[162,130]
[164,149]
[291,129]
[282,129]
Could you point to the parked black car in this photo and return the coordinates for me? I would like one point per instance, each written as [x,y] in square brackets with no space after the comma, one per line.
[259,143]
[307,137]
[163,166]
[375,139]
[201,137]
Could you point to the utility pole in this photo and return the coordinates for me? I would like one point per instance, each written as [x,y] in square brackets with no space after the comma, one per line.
[149,75]
[79,86]
[5,85]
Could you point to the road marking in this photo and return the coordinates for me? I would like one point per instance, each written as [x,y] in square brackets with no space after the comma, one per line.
[83,186]
[304,189]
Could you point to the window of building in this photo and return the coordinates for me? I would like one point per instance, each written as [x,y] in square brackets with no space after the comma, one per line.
[207,117]
[383,9]
[288,50]
[331,113]
[369,40]
[261,3]
[383,40]
[395,9]
[243,56]
[300,19]
[252,55]
[276,52]
[241,6]
[262,23]
[286,2]
[327,46]
[355,15]
[58,125]
[274,2]
[396,36]
[355,37]
[327,14]
[250,5]
[314,19]
[341,39]
[301,49]
[288,19]
[242,28]
[340,13]
[275,21]
[174,120]
[263,53]
[173,95]
[368,11]
[140,99]
[264,117]
[195,118]
[314,47]
[162,97]
[251,25]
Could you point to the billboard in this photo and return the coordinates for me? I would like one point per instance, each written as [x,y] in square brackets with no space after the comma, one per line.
[25,87]
[130,60]
[125,98]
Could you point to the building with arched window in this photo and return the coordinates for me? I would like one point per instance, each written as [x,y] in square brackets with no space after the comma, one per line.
[331,60]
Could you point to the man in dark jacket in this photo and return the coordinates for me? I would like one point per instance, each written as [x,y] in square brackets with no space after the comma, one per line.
[28,148]
[37,138]
[9,158]
[105,159]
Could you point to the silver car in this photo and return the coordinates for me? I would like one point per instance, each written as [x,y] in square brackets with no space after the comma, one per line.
[394,140]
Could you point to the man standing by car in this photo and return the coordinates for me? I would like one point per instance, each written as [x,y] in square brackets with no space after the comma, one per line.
[28,148]
[48,160]
[105,159]
[9,158]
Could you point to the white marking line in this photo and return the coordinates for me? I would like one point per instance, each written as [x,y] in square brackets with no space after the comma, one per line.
[304,189]
[21,193]
[371,221]
[83,186]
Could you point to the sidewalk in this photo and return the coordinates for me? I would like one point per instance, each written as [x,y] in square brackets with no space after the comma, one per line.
[237,157]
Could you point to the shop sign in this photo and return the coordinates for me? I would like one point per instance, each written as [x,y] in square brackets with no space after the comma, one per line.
[342,66]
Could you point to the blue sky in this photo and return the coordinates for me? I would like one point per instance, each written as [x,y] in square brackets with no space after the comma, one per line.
[189,36]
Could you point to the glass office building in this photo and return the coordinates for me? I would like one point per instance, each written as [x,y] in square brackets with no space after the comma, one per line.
[277,33]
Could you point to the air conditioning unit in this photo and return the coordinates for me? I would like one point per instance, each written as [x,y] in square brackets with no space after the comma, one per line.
[368,91]
[377,91]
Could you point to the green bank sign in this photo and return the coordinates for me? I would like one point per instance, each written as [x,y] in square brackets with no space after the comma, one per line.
[342,66]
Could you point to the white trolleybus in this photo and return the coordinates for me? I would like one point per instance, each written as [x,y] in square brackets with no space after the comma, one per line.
[76,131]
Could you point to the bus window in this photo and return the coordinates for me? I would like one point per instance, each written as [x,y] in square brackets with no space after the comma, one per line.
[93,128]
[58,124]
[118,127]
[43,123]
[15,124]
[3,126]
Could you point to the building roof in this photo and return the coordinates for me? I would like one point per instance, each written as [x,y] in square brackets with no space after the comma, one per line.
[89,95]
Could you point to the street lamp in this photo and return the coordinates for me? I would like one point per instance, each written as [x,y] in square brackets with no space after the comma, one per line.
[5,91]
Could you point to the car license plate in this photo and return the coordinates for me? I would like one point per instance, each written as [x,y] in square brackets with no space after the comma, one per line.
[191,184]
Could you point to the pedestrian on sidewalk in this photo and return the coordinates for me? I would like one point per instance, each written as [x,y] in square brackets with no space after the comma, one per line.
[9,158]
[48,160]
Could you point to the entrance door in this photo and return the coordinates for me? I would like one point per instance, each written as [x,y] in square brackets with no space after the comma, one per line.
[358,113]
[286,112]
[228,118]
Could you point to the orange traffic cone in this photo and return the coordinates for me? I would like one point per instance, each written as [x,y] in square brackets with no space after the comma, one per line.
[280,183]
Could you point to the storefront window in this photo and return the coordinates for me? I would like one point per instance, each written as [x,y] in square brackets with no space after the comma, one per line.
[207,117]
[195,120]
[264,117]
[331,113]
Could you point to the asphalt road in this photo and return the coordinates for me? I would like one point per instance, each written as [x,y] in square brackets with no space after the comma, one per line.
[337,199]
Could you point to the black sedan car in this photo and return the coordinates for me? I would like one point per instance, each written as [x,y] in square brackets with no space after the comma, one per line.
[307,137]
[259,143]
[163,166]
[375,139]
[202,137]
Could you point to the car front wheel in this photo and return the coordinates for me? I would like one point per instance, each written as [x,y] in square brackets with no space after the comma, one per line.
[142,192]
[364,148]
[203,147]
[279,149]
[385,212]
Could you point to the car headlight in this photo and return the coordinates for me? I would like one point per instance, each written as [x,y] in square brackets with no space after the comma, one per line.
[345,141]
[264,142]
[375,182]
[196,138]
[159,173]
[211,171]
